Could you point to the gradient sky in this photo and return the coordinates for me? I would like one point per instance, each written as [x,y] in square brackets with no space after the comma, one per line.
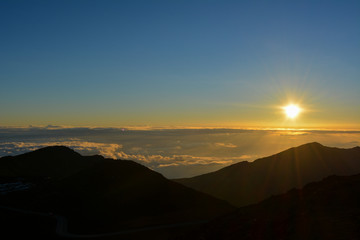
[179,63]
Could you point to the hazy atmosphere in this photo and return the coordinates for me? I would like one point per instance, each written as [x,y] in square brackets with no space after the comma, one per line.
[174,153]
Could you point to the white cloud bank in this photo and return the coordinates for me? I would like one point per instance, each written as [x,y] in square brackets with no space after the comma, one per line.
[83,147]
[174,153]
[115,151]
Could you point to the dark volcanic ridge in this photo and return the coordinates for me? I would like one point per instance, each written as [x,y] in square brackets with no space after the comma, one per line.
[97,194]
[328,209]
[246,183]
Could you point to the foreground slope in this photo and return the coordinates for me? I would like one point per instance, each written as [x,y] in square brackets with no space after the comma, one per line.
[98,195]
[323,210]
[246,183]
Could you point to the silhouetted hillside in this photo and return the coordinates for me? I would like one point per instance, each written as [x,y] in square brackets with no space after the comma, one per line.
[246,183]
[51,162]
[324,210]
[99,195]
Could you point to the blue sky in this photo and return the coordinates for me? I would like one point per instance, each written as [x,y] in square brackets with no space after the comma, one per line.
[179,63]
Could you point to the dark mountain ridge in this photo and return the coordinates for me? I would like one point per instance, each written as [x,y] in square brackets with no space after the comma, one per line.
[51,162]
[247,183]
[99,195]
[328,209]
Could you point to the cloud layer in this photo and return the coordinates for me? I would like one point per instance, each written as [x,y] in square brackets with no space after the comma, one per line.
[174,153]
[112,150]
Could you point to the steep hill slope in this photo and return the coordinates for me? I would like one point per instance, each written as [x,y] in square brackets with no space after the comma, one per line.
[114,193]
[246,183]
[328,209]
[98,195]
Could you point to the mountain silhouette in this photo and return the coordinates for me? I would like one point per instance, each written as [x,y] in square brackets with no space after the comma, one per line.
[328,209]
[51,162]
[247,183]
[98,195]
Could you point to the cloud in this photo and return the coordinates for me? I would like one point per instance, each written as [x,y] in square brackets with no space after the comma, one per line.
[84,147]
[115,151]
[168,165]
[227,145]
[288,133]
[183,152]
[136,149]
[158,161]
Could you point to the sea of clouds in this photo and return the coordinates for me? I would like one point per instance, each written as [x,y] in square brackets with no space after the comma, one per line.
[173,152]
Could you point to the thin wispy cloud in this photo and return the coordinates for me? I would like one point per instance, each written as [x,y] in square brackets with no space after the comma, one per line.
[227,145]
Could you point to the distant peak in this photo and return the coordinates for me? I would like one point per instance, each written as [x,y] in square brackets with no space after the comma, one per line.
[56,148]
[55,151]
[313,144]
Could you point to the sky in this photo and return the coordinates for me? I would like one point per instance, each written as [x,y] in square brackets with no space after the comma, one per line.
[176,64]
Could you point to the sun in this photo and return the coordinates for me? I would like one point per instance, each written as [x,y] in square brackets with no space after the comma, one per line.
[292,110]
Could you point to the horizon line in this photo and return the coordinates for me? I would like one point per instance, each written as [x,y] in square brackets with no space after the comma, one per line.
[154,128]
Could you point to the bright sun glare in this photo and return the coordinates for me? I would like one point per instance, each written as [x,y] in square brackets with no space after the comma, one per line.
[292,111]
